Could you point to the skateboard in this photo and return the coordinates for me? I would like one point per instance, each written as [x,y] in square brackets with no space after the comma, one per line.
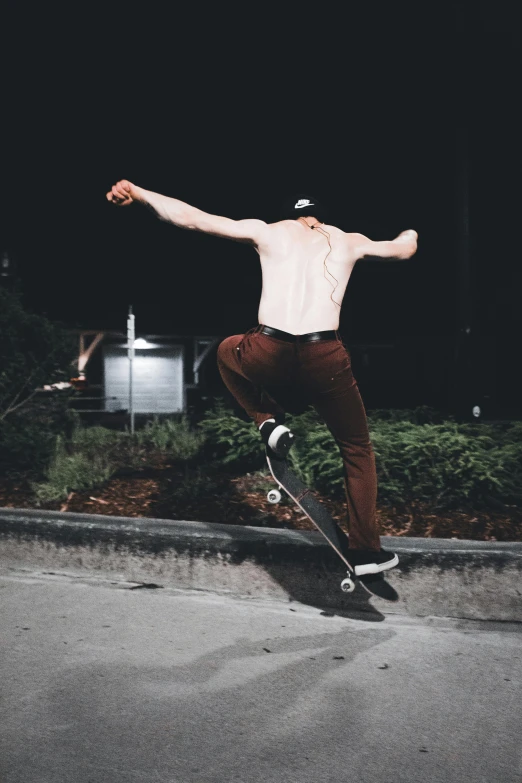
[319,516]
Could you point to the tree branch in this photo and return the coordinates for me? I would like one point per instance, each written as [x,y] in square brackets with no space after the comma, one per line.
[15,407]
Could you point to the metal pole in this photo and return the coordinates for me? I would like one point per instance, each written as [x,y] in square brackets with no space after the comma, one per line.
[468,385]
[130,354]
[460,369]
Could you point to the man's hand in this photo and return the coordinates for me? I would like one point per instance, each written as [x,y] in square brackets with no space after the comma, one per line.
[403,246]
[122,193]
[409,233]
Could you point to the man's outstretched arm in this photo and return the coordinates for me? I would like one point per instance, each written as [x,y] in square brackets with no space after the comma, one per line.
[185,216]
[402,247]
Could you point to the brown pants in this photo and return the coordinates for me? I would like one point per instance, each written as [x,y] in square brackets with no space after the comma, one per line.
[262,372]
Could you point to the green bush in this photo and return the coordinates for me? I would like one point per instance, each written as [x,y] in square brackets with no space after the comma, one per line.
[73,471]
[97,441]
[229,440]
[120,448]
[33,351]
[173,437]
[93,454]
[445,464]
[194,485]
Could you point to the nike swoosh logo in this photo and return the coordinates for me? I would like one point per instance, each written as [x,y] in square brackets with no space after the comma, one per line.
[300,206]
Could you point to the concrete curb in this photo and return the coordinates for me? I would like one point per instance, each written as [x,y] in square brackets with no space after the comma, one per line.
[440,577]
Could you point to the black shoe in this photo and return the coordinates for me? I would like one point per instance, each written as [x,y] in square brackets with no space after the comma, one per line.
[277,437]
[371,561]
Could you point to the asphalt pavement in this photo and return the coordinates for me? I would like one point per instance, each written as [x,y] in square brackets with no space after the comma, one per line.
[105,681]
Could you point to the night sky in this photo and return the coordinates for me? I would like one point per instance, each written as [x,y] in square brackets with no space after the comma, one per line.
[231,110]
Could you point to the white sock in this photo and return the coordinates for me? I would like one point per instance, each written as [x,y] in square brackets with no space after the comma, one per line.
[266,421]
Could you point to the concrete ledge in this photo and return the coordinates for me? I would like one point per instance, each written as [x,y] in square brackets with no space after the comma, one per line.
[440,577]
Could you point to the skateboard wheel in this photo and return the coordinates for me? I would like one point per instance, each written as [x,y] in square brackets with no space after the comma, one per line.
[274,496]
[348,585]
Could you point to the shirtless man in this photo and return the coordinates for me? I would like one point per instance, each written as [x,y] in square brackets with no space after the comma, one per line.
[306,265]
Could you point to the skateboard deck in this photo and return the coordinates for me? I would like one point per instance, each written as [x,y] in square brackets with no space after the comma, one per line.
[321,519]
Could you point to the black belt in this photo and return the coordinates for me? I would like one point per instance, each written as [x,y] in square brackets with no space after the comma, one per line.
[329,334]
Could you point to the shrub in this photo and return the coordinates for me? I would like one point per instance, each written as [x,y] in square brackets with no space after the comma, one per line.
[97,441]
[315,457]
[230,440]
[445,464]
[33,351]
[93,454]
[123,451]
[440,464]
[73,471]
[172,437]
[193,486]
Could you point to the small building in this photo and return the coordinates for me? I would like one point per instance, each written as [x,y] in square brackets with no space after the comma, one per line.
[158,372]
[166,369]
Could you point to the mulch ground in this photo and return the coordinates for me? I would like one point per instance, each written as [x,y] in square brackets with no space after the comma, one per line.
[242,500]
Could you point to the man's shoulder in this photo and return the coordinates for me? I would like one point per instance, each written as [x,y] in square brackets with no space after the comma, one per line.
[354,240]
[348,234]
[335,230]
[348,238]
[286,223]
[282,227]
[354,236]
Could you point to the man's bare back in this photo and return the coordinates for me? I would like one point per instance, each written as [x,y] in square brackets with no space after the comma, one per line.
[305,273]
[306,265]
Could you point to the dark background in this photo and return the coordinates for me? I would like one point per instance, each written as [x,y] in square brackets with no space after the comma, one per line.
[373,108]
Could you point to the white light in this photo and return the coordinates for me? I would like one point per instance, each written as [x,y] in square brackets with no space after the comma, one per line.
[140,342]
[476,411]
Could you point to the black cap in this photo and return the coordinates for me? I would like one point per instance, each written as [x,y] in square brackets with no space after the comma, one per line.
[303,205]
